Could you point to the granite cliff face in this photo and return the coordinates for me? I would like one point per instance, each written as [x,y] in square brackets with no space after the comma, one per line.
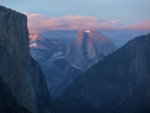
[8,103]
[118,84]
[89,48]
[17,69]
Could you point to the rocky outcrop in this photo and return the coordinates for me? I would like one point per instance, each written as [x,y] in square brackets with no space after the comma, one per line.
[43,49]
[22,74]
[89,48]
[118,84]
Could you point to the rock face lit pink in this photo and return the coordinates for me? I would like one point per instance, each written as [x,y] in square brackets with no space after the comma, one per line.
[89,48]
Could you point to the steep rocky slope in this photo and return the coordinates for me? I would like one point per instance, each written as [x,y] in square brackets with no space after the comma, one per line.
[43,49]
[118,84]
[62,66]
[8,103]
[89,48]
[60,75]
[17,69]
[50,54]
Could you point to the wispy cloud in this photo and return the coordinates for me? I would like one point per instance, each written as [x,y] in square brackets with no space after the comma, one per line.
[145,25]
[39,23]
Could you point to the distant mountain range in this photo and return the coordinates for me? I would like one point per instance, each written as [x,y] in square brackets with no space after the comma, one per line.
[43,49]
[62,63]
[117,84]
[117,37]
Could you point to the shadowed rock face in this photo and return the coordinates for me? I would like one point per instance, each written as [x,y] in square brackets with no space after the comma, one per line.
[42,49]
[8,103]
[118,84]
[62,66]
[50,54]
[89,48]
[22,74]
[60,75]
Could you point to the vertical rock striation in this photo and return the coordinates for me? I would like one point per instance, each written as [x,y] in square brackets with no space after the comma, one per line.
[8,103]
[22,74]
[89,48]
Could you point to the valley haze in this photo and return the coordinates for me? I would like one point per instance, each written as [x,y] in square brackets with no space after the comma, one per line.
[73,56]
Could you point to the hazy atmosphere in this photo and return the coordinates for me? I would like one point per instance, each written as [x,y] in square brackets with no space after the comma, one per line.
[74,56]
[85,14]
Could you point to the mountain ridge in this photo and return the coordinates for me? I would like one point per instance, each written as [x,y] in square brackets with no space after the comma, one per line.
[117,84]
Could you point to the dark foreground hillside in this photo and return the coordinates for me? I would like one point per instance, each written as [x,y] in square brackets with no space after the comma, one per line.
[118,84]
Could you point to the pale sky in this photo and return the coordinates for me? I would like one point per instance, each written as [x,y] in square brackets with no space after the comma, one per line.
[125,12]
[128,11]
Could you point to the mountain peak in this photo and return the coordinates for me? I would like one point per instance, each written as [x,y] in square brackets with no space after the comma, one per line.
[90,35]
[89,47]
[87,31]
[36,36]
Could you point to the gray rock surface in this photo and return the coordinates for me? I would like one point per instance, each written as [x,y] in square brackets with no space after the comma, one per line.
[17,68]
